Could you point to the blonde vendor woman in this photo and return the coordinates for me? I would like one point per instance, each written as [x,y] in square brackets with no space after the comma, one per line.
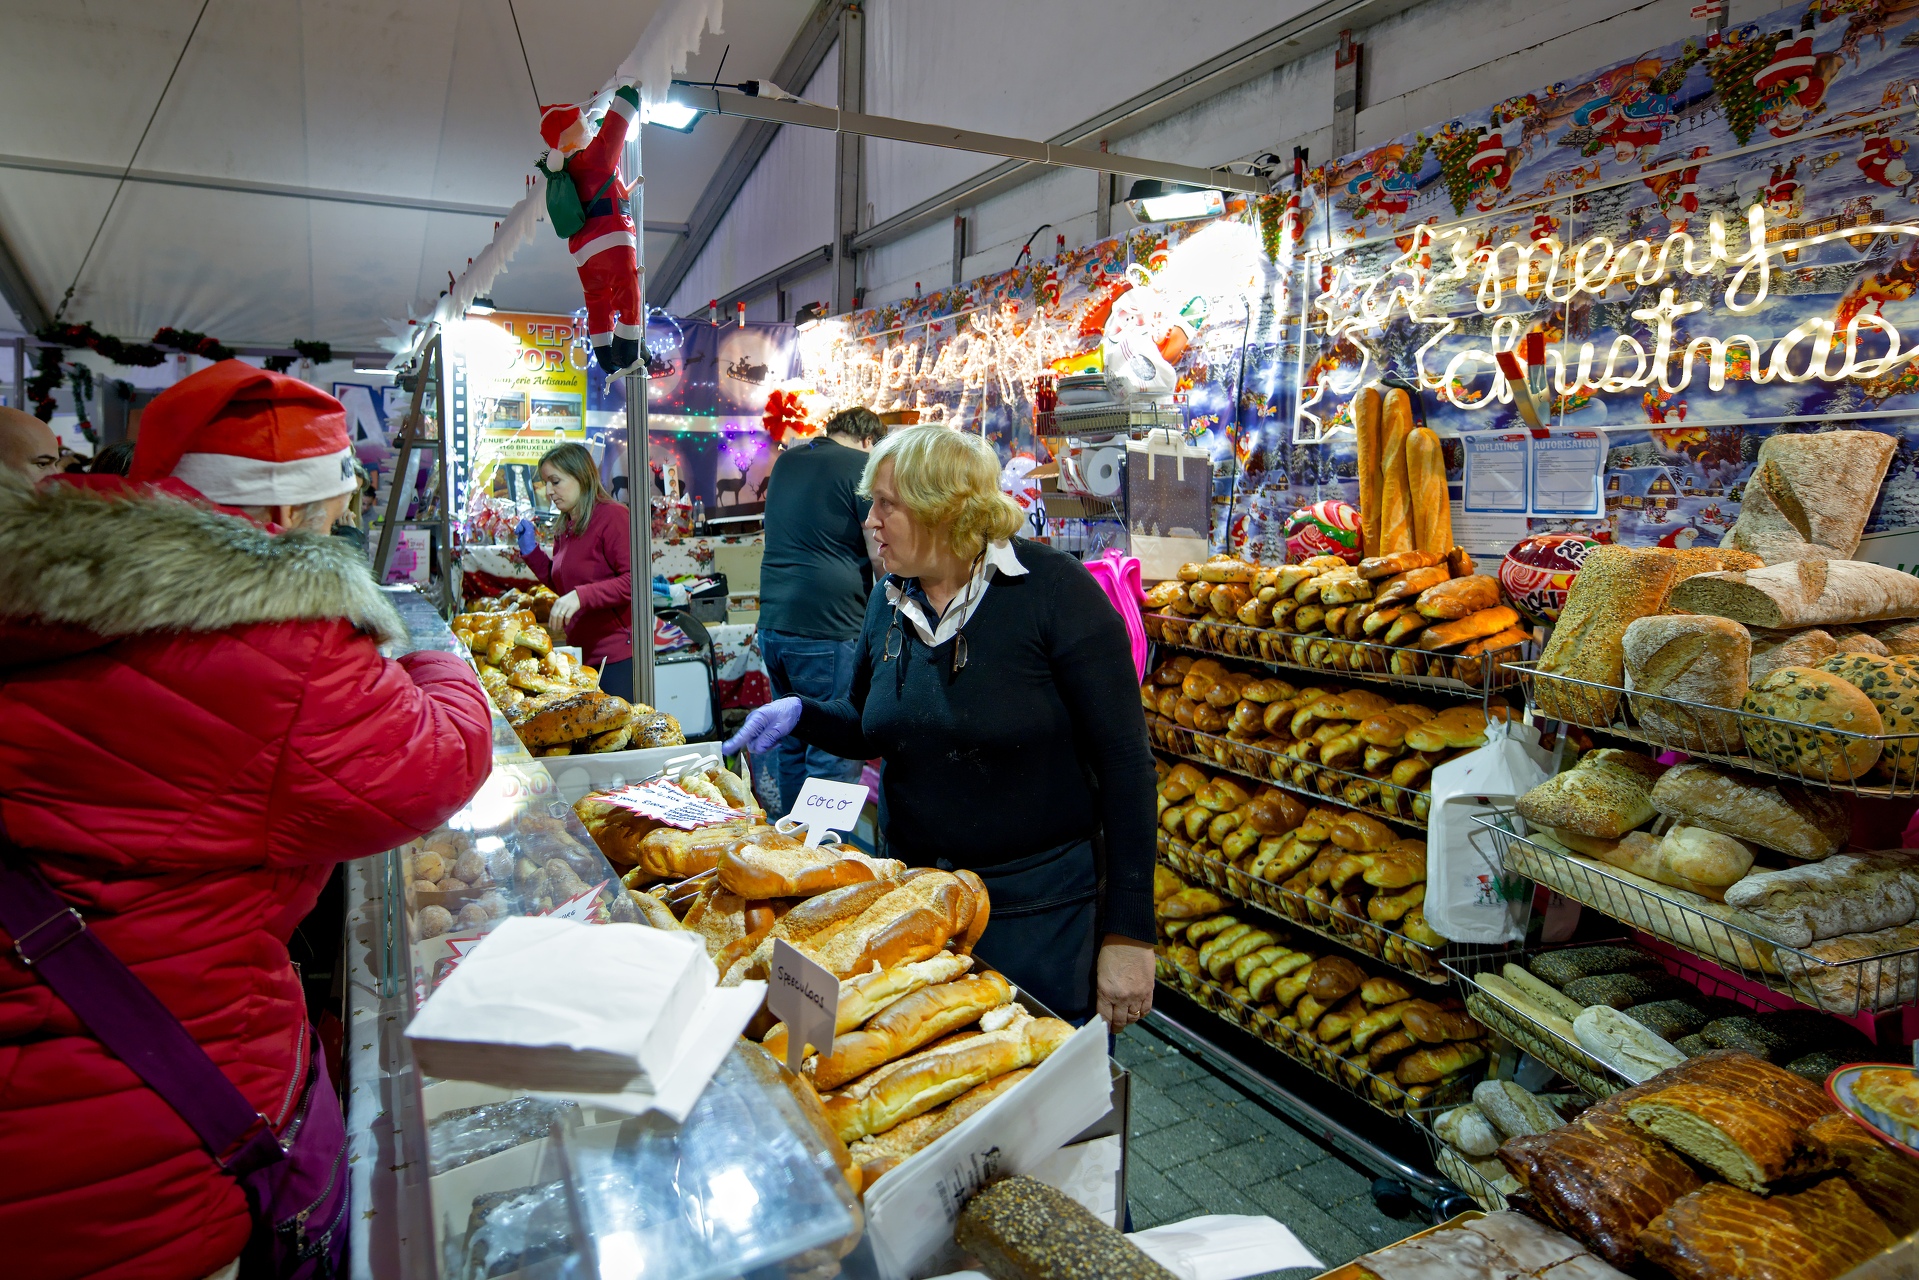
[995,679]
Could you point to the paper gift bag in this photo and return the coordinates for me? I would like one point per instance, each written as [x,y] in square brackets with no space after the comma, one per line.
[1169,500]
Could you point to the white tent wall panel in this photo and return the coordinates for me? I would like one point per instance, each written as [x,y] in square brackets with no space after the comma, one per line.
[1423,67]
[1026,69]
[784,209]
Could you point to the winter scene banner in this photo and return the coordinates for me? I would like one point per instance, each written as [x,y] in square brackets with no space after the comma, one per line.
[1708,243]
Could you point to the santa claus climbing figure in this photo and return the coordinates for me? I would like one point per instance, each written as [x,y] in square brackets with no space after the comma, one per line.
[605,249]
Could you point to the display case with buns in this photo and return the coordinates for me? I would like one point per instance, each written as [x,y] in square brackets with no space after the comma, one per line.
[473,1180]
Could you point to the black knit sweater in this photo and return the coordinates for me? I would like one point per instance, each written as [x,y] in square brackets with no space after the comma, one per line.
[1038,741]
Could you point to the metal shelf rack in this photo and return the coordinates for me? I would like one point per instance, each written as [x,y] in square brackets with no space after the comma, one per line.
[1245,759]
[1297,911]
[1480,676]
[1879,766]
[1710,931]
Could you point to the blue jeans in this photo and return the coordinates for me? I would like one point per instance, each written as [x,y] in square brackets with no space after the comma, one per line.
[818,669]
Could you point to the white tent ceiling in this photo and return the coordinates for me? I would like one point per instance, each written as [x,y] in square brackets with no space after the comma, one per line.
[421,101]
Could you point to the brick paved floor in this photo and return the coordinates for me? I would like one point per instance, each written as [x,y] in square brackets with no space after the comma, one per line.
[1200,1144]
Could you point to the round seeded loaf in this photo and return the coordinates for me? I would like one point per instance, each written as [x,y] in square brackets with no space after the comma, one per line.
[1690,658]
[1803,695]
[1893,686]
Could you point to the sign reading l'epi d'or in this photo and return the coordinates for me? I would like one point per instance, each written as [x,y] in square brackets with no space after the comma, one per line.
[805,996]
[827,806]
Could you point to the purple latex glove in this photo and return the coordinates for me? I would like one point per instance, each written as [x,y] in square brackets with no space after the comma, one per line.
[523,531]
[765,727]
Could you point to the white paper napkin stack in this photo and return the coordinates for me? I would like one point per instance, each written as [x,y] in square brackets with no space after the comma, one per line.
[557,1006]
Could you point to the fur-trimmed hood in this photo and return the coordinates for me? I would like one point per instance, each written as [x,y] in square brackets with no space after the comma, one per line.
[100,564]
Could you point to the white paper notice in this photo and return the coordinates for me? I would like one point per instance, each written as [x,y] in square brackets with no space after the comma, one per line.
[1568,472]
[1487,537]
[805,996]
[1497,470]
[827,807]
[1224,1246]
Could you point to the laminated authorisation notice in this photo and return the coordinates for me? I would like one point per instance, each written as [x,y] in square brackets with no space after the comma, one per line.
[1544,473]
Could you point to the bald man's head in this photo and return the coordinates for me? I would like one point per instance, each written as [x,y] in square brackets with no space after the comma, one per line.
[27,444]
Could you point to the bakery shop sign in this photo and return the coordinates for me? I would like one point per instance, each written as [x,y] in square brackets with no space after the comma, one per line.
[1812,350]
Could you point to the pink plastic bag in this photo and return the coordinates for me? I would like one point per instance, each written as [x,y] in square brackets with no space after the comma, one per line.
[1118,576]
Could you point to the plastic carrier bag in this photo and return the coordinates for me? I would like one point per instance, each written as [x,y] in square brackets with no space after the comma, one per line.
[1469,897]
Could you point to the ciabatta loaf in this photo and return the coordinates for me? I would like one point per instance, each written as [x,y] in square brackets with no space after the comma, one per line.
[1800,822]
[1799,593]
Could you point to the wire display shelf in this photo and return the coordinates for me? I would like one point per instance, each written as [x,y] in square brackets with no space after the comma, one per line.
[1478,676]
[1463,1170]
[1378,796]
[1384,1093]
[1884,765]
[1712,931]
[1297,910]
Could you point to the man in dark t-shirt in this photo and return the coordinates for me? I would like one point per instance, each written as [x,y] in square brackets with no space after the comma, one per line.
[814,580]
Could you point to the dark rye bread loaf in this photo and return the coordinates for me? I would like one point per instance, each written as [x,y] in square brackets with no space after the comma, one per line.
[1022,1229]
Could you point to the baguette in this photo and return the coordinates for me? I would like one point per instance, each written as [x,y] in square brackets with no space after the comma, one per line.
[1367,437]
[1506,993]
[1395,488]
[915,1085]
[882,1154]
[1541,992]
[908,1023]
[1432,505]
[866,994]
[1629,1048]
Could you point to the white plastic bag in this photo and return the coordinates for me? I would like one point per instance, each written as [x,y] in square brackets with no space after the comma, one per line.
[1467,898]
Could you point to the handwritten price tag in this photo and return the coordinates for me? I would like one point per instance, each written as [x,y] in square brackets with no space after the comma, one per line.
[670,803]
[826,806]
[806,997]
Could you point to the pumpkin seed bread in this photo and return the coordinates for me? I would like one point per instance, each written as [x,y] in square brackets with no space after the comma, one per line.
[1823,701]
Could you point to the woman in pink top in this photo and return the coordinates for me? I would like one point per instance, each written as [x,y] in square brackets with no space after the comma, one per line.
[591,565]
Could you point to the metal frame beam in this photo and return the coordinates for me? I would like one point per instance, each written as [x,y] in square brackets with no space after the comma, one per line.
[802,58]
[1289,42]
[241,186]
[1025,150]
[849,159]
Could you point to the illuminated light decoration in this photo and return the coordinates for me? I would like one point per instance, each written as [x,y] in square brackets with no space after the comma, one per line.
[1352,309]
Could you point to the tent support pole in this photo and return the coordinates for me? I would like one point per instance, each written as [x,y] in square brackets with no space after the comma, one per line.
[639,474]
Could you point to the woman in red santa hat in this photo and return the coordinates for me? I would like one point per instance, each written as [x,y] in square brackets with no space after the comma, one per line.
[196,723]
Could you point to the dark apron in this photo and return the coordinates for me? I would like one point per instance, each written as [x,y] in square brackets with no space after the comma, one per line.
[1043,933]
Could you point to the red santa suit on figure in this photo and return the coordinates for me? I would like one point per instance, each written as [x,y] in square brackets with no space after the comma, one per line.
[1882,161]
[605,250]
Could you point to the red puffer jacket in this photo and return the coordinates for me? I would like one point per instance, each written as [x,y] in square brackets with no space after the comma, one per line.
[195,725]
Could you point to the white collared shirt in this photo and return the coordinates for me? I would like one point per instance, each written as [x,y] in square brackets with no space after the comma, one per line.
[999,558]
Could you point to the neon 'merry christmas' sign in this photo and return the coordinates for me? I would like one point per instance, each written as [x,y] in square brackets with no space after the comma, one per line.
[1354,308]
